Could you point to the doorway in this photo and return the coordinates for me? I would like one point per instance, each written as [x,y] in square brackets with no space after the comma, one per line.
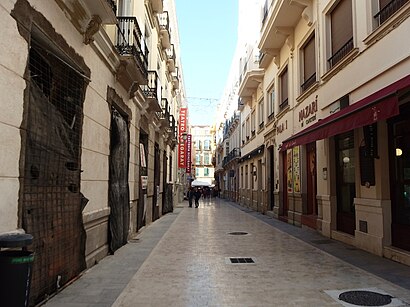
[399,139]
[271,180]
[283,212]
[345,182]
[118,189]
[310,216]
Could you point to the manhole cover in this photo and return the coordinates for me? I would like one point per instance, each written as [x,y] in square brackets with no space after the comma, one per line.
[365,298]
[238,233]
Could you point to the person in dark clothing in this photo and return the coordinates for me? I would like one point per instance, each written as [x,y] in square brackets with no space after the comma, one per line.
[197,194]
[190,195]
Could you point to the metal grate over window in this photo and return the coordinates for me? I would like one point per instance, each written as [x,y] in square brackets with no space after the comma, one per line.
[51,201]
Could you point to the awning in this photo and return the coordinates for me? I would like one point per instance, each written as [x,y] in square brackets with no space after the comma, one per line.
[378,106]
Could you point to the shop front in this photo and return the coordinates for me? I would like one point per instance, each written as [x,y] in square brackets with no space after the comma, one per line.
[355,172]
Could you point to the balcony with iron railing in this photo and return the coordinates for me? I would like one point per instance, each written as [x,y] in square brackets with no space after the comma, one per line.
[133,53]
[171,58]
[173,127]
[234,154]
[164,30]
[388,11]
[164,114]
[341,53]
[265,11]
[152,92]
[175,79]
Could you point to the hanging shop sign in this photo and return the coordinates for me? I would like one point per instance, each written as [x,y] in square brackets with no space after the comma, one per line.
[181,133]
[188,153]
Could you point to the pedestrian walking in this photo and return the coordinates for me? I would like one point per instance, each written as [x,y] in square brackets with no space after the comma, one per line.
[190,195]
[197,194]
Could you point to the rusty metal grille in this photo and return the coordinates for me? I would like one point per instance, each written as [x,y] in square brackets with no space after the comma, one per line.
[50,185]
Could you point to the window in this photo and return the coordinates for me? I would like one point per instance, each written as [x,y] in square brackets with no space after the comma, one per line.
[387,8]
[341,31]
[283,89]
[271,102]
[253,122]
[226,148]
[198,145]
[198,159]
[243,133]
[206,171]
[247,129]
[206,159]
[207,145]
[197,172]
[246,177]
[261,114]
[309,64]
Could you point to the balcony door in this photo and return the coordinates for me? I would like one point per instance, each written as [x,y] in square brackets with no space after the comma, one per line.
[124,8]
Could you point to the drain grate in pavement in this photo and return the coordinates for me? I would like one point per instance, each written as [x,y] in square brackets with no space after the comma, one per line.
[241,260]
[238,233]
[365,298]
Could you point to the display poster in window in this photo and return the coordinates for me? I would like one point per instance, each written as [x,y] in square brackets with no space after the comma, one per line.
[143,160]
[296,169]
[289,170]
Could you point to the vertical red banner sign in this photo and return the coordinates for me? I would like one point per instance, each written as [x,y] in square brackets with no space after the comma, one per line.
[188,153]
[182,143]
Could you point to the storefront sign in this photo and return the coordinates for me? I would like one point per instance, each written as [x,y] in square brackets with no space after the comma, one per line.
[308,114]
[188,153]
[308,111]
[181,142]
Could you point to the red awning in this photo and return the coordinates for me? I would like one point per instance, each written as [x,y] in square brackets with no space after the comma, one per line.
[378,106]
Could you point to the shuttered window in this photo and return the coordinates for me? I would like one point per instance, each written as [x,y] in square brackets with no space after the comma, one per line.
[309,64]
[284,89]
[342,25]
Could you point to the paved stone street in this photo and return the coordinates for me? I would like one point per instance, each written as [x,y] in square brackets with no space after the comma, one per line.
[183,259]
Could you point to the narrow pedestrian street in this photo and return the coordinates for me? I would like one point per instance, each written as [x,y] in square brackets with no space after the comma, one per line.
[184,259]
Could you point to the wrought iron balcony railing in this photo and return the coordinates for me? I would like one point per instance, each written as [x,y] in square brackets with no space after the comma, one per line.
[130,41]
[235,153]
[163,21]
[391,8]
[284,104]
[341,53]
[308,82]
[152,90]
[166,110]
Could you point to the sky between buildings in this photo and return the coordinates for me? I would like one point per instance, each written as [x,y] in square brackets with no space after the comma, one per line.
[208,34]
